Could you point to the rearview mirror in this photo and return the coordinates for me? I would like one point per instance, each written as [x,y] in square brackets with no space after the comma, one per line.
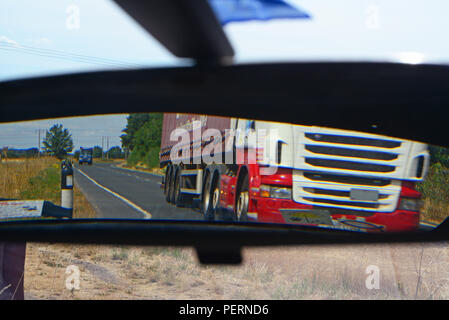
[196,167]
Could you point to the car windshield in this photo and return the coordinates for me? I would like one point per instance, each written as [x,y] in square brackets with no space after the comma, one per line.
[67,36]
[348,30]
[218,171]
[200,167]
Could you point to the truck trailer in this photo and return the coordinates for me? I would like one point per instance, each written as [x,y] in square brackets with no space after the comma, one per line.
[249,170]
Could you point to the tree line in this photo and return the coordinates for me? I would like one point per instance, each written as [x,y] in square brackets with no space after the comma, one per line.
[141,138]
[58,142]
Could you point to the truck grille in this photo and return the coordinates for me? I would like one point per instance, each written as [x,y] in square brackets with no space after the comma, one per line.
[342,153]
[346,152]
[346,179]
[360,141]
[337,193]
[334,191]
[351,165]
[332,164]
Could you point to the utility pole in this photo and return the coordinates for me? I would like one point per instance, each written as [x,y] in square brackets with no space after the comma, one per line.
[107,148]
[102,147]
[39,141]
[105,141]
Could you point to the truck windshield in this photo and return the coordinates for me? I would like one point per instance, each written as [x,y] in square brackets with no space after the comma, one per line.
[200,167]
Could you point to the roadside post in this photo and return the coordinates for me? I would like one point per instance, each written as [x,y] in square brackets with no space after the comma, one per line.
[67,185]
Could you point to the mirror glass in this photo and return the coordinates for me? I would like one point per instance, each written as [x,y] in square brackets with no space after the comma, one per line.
[199,167]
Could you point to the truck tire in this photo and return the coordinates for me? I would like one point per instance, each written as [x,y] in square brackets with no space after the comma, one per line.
[215,197]
[219,213]
[167,183]
[208,213]
[241,208]
[171,195]
[178,196]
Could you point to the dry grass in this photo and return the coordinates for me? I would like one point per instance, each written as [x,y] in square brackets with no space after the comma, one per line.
[434,211]
[38,179]
[140,166]
[314,272]
[82,209]
[435,192]
[98,160]
[15,174]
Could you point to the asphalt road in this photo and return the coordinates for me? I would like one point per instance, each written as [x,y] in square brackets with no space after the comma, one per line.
[118,193]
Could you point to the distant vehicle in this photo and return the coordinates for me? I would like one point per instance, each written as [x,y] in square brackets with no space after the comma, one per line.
[85,156]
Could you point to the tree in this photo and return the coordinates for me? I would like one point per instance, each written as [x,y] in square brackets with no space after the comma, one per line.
[97,152]
[146,141]
[58,141]
[134,122]
[439,155]
[115,153]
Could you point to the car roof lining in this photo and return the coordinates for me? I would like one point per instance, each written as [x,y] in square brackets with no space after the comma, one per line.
[398,100]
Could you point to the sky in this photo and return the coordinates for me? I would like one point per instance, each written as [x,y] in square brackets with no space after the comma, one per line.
[51,37]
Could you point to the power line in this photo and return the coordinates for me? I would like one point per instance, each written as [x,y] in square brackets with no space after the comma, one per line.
[61,58]
[67,58]
[58,54]
[73,54]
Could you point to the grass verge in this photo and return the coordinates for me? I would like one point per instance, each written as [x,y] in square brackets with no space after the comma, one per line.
[142,167]
[39,179]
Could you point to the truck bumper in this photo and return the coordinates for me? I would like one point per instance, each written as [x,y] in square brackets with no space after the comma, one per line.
[288,211]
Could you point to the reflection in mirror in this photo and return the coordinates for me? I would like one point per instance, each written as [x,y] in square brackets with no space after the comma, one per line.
[198,167]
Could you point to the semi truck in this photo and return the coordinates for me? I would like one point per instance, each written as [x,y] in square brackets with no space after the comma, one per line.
[247,170]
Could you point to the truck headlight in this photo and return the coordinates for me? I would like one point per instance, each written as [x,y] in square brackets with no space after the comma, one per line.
[275,192]
[411,204]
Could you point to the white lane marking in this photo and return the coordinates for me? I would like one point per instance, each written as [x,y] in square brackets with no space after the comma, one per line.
[428,224]
[135,206]
[118,171]
[138,171]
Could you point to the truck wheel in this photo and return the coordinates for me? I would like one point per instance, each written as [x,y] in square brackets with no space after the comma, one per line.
[243,201]
[171,191]
[215,195]
[218,212]
[208,212]
[167,184]
[178,196]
